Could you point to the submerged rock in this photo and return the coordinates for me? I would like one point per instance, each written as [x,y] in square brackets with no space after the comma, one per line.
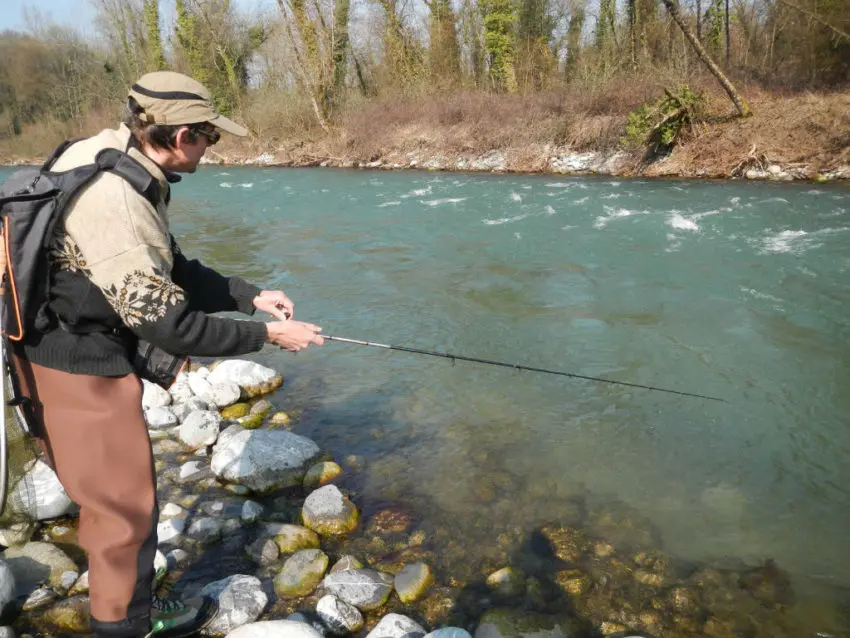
[241,600]
[346,562]
[68,616]
[321,473]
[515,623]
[301,573]
[396,626]
[263,460]
[413,581]
[291,538]
[328,512]
[275,629]
[507,582]
[366,589]
[338,616]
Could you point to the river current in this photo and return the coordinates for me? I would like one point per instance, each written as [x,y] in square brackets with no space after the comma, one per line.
[730,289]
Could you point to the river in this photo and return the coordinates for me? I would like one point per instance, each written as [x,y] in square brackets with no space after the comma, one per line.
[731,289]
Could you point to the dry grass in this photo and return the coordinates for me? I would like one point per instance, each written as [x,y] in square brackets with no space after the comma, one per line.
[810,132]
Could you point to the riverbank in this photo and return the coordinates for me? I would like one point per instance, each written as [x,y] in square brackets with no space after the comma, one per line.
[789,137]
[260,518]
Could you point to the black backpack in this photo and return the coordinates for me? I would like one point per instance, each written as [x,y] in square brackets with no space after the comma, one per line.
[32,201]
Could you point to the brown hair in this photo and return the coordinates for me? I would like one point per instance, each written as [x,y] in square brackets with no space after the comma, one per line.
[156,135]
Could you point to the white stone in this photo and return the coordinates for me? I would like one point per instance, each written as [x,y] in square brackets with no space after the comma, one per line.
[160,417]
[396,626]
[180,392]
[183,410]
[170,530]
[241,600]
[275,629]
[199,385]
[159,561]
[263,460]
[338,616]
[153,396]
[191,470]
[200,428]
[39,495]
[170,510]
[241,372]
[222,394]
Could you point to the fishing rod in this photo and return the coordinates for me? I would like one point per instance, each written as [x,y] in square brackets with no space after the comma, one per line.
[515,366]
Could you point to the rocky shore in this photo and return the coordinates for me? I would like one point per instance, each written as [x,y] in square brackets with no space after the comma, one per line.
[547,159]
[252,514]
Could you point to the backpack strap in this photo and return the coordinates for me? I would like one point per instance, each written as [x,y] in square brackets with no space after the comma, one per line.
[57,152]
[129,169]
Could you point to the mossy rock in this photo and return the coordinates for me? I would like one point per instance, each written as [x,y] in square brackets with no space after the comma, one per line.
[262,406]
[413,581]
[574,582]
[235,411]
[301,574]
[250,421]
[321,473]
[280,419]
[293,538]
[69,616]
[261,389]
[507,582]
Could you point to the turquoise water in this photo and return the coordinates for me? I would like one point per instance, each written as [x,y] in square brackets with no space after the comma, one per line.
[731,289]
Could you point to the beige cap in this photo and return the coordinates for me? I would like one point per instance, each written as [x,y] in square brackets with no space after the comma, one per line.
[173,99]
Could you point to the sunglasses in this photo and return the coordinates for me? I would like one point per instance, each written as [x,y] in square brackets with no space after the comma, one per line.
[209,132]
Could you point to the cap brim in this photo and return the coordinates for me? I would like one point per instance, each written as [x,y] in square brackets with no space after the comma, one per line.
[228,126]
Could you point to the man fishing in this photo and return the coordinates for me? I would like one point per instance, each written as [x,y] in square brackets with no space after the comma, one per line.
[117,276]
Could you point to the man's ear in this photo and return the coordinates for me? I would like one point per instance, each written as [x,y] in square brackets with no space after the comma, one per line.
[184,136]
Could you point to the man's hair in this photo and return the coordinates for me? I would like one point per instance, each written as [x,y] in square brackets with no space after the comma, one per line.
[156,135]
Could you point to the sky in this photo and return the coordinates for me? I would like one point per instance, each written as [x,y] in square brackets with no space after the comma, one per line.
[80,14]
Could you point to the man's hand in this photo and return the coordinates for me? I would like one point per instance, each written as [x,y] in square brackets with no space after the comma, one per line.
[275,303]
[293,335]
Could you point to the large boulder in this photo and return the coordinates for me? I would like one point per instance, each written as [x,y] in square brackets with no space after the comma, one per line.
[240,599]
[263,460]
[252,377]
[275,629]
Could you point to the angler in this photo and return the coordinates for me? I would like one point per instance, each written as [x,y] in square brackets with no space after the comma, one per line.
[98,294]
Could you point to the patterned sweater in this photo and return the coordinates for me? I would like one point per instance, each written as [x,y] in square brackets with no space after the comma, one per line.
[117,275]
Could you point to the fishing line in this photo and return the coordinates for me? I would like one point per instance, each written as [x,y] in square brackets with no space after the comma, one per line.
[516,366]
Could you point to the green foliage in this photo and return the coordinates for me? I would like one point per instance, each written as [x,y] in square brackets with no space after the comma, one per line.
[500,42]
[155,59]
[659,125]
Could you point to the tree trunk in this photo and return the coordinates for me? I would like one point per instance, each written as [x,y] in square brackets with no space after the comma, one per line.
[740,104]
[699,20]
[728,41]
